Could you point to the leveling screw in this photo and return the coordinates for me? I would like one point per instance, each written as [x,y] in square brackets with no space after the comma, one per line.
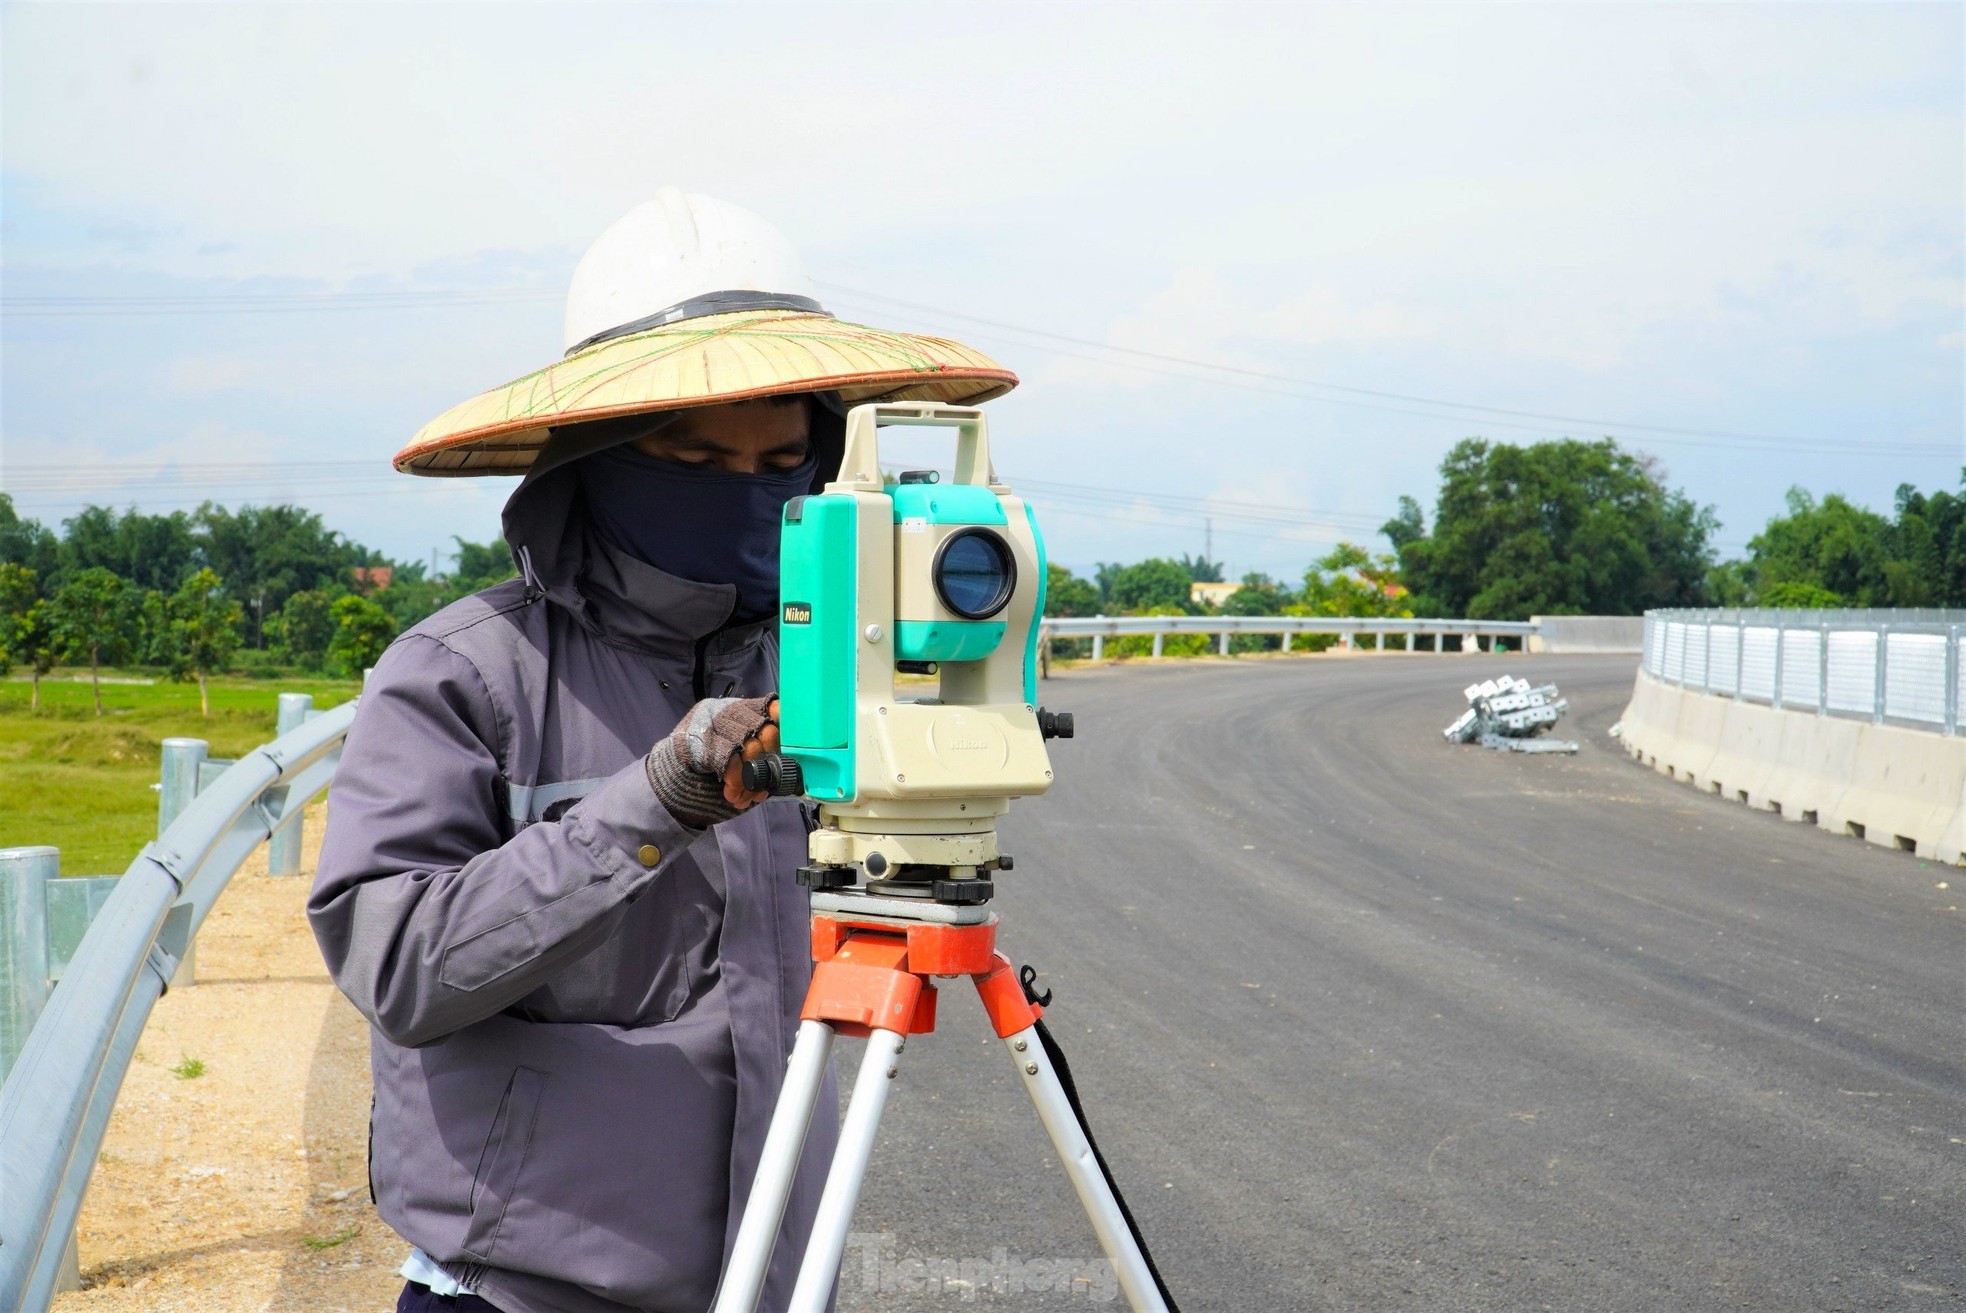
[1030,1069]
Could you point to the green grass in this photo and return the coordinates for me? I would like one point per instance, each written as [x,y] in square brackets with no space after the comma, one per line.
[189,1069]
[319,1242]
[83,783]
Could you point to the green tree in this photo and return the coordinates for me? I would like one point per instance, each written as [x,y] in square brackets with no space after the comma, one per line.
[1728,584]
[1201,570]
[269,553]
[1557,528]
[37,642]
[480,565]
[1928,548]
[1833,547]
[1067,594]
[204,632]
[1259,595]
[1830,545]
[1407,526]
[304,628]
[19,590]
[151,551]
[1794,595]
[28,542]
[362,630]
[1137,589]
[94,615]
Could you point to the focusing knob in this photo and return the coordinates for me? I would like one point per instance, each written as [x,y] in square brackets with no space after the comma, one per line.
[773,773]
[1055,724]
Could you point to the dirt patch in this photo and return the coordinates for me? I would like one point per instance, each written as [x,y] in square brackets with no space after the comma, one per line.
[234,1173]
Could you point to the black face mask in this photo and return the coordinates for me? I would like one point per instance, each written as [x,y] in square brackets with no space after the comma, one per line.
[703,524]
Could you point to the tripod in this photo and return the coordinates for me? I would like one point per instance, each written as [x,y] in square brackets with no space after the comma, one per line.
[873,959]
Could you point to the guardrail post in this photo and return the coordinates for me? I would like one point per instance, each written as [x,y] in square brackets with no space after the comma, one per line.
[24,876]
[177,786]
[1380,646]
[1741,656]
[1952,680]
[1158,637]
[1098,641]
[1883,675]
[1822,671]
[1775,700]
[1222,647]
[283,848]
[1287,636]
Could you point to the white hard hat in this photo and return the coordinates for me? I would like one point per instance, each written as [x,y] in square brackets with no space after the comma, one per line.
[681,256]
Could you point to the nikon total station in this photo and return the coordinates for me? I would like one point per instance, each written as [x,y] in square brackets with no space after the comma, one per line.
[883,580]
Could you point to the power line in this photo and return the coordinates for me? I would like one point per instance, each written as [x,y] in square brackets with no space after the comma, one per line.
[73,307]
[1622,425]
[64,306]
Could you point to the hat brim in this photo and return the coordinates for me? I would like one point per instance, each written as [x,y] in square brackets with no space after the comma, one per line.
[707,361]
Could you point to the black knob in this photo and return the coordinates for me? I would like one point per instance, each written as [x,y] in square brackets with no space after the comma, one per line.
[773,773]
[1055,724]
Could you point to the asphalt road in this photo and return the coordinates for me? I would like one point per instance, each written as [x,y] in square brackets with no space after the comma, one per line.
[1367,1021]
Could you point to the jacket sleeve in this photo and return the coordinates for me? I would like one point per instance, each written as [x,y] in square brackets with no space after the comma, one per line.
[429,918]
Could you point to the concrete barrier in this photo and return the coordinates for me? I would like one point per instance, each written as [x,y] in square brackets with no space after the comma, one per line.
[1562,634]
[1896,787]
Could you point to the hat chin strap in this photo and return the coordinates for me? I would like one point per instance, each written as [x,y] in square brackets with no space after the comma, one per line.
[710,303]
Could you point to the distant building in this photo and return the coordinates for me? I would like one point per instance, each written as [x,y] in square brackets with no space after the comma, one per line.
[373,578]
[1211,594]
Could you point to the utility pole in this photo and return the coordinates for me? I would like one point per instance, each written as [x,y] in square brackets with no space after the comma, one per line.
[1208,538]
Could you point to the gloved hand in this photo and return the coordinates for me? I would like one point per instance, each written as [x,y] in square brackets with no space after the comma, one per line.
[695,772]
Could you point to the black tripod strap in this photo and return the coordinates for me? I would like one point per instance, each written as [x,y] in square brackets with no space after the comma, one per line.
[1056,1056]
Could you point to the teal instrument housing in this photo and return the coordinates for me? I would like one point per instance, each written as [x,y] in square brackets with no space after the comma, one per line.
[818,587]
[1044,585]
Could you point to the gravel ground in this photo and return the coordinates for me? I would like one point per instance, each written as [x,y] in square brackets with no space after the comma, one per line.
[243,1187]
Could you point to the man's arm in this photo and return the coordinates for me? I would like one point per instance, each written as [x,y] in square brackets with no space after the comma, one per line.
[430,920]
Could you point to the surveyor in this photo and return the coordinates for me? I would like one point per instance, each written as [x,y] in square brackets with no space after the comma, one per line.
[577,939]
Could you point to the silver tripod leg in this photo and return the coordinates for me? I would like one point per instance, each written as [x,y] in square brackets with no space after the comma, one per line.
[842,1192]
[778,1165]
[1075,1151]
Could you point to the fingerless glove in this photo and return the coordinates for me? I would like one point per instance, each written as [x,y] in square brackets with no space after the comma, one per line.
[686,770]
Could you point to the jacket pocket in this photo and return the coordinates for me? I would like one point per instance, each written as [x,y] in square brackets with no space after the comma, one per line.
[502,1161]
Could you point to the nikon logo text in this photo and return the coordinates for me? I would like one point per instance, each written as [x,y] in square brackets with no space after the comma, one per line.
[969,745]
[798,613]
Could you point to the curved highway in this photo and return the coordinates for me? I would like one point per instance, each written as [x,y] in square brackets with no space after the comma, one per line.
[1368,1021]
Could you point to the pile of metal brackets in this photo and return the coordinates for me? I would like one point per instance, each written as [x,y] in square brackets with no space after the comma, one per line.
[1507,715]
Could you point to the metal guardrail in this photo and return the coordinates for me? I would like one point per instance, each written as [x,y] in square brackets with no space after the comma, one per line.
[1101,627]
[1903,667]
[60,1091]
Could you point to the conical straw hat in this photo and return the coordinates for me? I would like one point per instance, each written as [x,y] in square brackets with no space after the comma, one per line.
[704,361]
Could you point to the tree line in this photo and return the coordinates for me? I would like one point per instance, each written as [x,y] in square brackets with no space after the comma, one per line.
[1588,528]
[1566,527]
[267,589]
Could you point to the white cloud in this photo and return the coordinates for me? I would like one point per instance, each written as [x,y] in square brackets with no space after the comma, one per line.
[1725,217]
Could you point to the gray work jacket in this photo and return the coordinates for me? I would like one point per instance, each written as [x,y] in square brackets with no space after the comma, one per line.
[581,1008]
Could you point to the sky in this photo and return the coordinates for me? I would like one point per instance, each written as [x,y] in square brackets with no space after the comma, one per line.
[1258,266]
